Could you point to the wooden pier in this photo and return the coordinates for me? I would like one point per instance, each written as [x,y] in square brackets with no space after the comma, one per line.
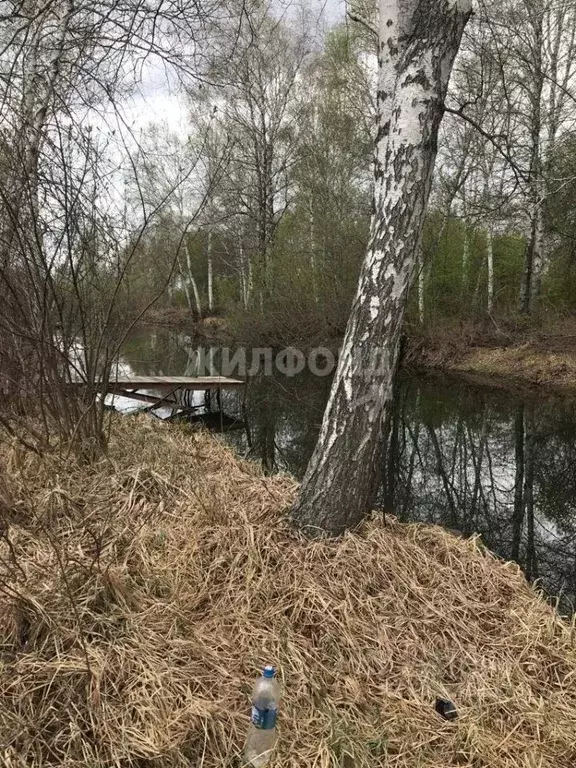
[176,393]
[122,384]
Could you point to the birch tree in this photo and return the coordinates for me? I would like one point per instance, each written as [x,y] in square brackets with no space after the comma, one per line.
[483,182]
[253,109]
[419,40]
[333,171]
[531,43]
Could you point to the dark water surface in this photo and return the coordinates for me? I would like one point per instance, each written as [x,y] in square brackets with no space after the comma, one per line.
[472,458]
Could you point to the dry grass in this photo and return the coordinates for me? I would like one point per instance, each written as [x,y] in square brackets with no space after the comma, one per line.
[510,354]
[152,588]
[524,363]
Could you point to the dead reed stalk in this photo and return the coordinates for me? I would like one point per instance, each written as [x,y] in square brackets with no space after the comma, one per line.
[149,590]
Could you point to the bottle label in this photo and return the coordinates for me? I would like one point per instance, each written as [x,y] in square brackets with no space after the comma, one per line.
[264,719]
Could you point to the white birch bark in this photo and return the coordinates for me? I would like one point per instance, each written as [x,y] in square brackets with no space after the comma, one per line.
[312,251]
[490,268]
[539,251]
[194,285]
[245,276]
[190,280]
[243,283]
[419,40]
[39,86]
[420,287]
[210,275]
[465,258]
[534,254]
[249,279]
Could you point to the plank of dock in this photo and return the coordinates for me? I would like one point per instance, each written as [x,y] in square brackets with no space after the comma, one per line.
[197,383]
[157,400]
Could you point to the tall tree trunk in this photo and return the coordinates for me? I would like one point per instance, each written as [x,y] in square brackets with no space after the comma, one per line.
[490,268]
[191,305]
[312,251]
[23,230]
[245,276]
[465,263]
[194,285]
[534,253]
[539,251]
[421,285]
[266,216]
[210,274]
[418,43]
[192,281]
[243,286]
[526,279]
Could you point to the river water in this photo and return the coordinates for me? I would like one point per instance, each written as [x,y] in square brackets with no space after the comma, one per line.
[469,457]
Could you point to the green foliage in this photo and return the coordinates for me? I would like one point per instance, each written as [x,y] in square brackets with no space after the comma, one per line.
[286,252]
[456,274]
[559,288]
[508,261]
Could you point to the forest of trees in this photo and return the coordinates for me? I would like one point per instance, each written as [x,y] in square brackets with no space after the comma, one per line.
[291,127]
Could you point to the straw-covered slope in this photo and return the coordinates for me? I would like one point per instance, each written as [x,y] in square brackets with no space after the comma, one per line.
[148,590]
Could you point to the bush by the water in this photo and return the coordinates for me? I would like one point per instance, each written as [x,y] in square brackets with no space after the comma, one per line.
[140,596]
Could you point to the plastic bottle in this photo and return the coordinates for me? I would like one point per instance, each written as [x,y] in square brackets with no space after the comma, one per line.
[262,733]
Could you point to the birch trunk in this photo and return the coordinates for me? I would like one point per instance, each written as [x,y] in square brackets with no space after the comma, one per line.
[186,285]
[192,281]
[245,276]
[420,287]
[243,285]
[465,261]
[419,40]
[539,253]
[196,295]
[210,275]
[534,253]
[490,268]
[40,81]
[534,256]
[312,251]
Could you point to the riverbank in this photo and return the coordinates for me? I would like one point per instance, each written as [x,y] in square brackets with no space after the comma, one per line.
[145,591]
[530,358]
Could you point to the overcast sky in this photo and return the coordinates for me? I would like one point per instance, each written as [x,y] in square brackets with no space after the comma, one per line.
[157,101]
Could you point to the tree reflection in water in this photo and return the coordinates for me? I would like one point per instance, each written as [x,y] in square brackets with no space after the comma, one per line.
[481,461]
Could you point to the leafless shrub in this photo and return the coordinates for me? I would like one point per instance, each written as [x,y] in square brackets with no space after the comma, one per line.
[65,249]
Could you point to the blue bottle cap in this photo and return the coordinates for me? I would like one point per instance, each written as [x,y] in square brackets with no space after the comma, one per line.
[269,671]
